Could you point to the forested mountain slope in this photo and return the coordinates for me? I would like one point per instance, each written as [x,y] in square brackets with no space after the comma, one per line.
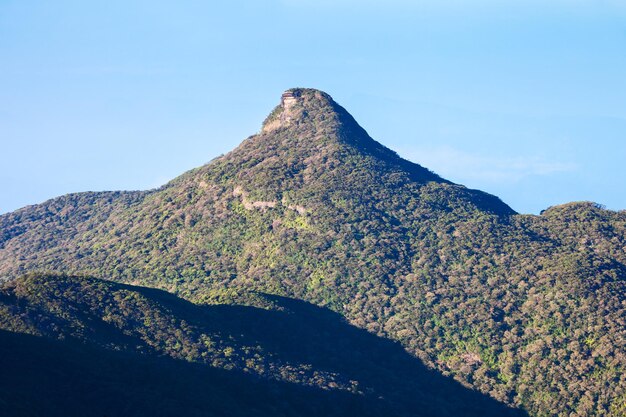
[267,343]
[527,309]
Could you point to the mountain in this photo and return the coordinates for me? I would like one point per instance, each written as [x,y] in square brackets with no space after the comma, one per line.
[527,309]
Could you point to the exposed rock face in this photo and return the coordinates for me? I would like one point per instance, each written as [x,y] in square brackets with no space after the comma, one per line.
[288,99]
[292,107]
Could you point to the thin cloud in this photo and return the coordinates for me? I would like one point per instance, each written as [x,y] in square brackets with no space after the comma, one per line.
[476,6]
[450,3]
[459,164]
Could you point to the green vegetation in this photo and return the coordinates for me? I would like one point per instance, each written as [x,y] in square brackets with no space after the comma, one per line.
[65,378]
[266,342]
[526,309]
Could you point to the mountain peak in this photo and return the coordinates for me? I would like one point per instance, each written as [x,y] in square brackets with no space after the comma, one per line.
[309,138]
[308,120]
[296,104]
[313,116]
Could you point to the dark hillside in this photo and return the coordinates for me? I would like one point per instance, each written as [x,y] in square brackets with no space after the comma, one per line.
[65,378]
[113,338]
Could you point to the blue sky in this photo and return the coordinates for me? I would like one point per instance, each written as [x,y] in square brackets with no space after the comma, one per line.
[526,100]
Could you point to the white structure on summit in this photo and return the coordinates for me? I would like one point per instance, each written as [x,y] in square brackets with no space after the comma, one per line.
[288,99]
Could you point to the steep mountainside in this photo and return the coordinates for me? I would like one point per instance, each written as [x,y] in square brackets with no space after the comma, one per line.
[527,309]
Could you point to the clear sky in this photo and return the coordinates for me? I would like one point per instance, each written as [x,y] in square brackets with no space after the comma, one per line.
[526,100]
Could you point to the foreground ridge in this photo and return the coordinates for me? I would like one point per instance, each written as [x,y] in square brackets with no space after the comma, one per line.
[293,349]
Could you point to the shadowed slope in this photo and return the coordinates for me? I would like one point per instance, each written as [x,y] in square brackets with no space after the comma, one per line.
[288,340]
[44,377]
